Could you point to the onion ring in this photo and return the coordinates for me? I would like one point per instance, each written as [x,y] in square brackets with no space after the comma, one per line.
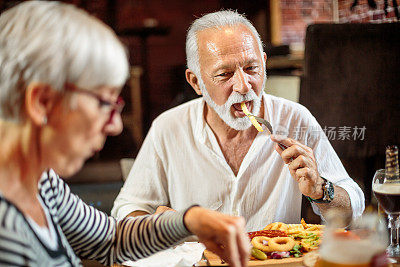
[258,243]
[281,243]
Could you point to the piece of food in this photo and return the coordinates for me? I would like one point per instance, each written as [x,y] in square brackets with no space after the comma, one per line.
[267,233]
[258,254]
[280,254]
[296,251]
[315,227]
[261,243]
[303,223]
[294,229]
[251,117]
[310,244]
[281,243]
[316,232]
[276,226]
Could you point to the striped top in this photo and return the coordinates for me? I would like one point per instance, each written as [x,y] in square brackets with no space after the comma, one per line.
[82,231]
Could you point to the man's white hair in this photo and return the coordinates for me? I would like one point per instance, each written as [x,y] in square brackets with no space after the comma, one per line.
[55,44]
[213,20]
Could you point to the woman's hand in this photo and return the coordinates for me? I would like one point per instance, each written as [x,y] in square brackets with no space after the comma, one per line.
[222,234]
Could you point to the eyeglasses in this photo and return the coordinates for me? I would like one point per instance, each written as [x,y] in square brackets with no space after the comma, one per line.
[106,105]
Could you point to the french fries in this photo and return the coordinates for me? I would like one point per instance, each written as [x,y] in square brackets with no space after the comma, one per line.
[251,117]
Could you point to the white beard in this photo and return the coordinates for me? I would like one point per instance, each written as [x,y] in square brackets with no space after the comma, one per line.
[224,111]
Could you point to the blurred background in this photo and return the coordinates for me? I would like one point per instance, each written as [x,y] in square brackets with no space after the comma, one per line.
[344,68]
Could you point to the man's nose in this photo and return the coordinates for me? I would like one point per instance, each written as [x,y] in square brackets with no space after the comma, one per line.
[241,82]
[114,126]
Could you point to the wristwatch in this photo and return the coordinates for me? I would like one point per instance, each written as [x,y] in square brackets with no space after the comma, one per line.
[328,193]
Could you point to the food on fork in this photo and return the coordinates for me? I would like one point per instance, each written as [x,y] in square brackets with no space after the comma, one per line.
[251,117]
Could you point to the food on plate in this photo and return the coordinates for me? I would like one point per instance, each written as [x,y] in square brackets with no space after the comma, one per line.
[280,254]
[296,251]
[251,117]
[281,244]
[295,229]
[276,226]
[303,222]
[258,254]
[309,240]
[310,243]
[262,243]
[279,240]
[267,233]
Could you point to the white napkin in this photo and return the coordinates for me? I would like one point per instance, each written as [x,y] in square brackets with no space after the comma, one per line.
[186,254]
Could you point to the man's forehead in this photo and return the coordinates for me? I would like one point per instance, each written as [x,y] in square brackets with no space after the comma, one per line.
[226,40]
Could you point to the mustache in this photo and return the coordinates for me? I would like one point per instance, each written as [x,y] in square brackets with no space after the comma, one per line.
[236,97]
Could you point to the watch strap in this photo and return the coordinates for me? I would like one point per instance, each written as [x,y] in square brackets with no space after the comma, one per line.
[328,193]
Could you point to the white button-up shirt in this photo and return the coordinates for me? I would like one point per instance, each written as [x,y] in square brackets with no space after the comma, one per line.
[181,163]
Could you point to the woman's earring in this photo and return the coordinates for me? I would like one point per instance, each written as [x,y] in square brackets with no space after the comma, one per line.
[44,120]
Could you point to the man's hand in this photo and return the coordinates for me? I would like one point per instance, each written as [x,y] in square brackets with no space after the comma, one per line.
[162,209]
[222,234]
[302,165]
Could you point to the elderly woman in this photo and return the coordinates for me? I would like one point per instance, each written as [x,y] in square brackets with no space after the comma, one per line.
[61,72]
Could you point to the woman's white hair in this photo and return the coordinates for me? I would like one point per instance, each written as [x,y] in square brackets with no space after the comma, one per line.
[55,44]
[213,20]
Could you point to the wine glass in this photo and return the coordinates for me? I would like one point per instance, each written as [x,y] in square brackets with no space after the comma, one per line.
[387,193]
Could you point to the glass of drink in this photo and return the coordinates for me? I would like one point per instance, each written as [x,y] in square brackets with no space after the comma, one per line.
[387,193]
[361,243]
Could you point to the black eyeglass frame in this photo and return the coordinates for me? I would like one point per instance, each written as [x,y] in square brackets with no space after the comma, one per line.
[116,106]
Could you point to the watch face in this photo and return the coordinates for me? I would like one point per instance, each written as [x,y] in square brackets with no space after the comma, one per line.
[330,190]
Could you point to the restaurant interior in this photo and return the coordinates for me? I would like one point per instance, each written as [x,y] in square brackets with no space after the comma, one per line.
[338,58]
[342,63]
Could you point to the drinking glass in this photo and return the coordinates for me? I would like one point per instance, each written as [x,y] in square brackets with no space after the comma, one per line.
[356,243]
[387,193]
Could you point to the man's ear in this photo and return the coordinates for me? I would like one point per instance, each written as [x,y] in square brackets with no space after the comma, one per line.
[39,101]
[191,78]
[265,59]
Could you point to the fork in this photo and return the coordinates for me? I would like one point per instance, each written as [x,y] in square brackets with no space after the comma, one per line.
[269,127]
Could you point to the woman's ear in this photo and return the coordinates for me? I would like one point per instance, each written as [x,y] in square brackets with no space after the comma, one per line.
[191,78]
[39,101]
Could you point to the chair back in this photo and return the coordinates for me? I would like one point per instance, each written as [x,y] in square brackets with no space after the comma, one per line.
[352,80]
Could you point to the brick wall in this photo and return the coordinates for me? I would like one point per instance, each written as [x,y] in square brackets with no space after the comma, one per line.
[363,13]
[296,15]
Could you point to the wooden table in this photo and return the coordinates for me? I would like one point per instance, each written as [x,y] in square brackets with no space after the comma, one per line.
[214,260]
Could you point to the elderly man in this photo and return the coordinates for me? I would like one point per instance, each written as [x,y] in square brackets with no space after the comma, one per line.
[206,151]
